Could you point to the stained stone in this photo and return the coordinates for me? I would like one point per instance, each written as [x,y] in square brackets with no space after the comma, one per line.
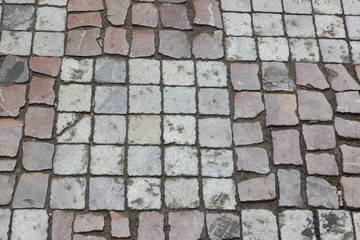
[10,136]
[186,225]
[297,225]
[12,99]
[107,160]
[182,193]
[73,128]
[111,99]
[258,189]
[211,74]
[223,226]
[240,49]
[207,46]
[14,70]
[290,188]
[213,101]
[73,70]
[143,193]
[216,163]
[18,17]
[174,44]
[335,225]
[179,129]
[50,19]
[321,193]
[17,43]
[107,193]
[88,19]
[68,193]
[117,11]
[7,183]
[181,160]
[29,224]
[259,224]
[276,77]
[178,72]
[219,193]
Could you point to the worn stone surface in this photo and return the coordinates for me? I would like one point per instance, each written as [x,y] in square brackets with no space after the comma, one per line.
[335,224]
[144,161]
[10,136]
[219,193]
[244,76]
[42,90]
[340,79]
[351,191]
[45,65]
[206,46]
[297,225]
[143,193]
[88,222]
[143,43]
[222,226]
[179,129]
[334,51]
[252,159]
[186,225]
[144,129]
[290,188]
[181,193]
[286,145]
[350,159]
[174,16]
[115,41]
[5,218]
[68,101]
[207,12]
[39,122]
[313,106]
[50,19]
[180,160]
[7,188]
[211,74]
[30,224]
[240,49]
[321,193]
[174,44]
[83,42]
[215,132]
[73,128]
[237,24]
[12,99]
[61,224]
[73,70]
[91,19]
[319,137]
[259,224]
[276,77]
[107,160]
[348,102]
[18,17]
[151,224]
[347,128]
[178,72]
[106,193]
[117,11]
[257,189]
[14,70]
[16,43]
[213,101]
[281,109]
[273,49]
[68,193]
[321,164]
[217,163]
[119,225]
[247,133]
[309,74]
[145,93]
[138,68]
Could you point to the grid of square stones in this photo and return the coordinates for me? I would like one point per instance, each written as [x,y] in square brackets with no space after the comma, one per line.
[315,31]
[249,224]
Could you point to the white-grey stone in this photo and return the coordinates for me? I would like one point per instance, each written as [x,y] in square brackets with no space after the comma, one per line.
[110,70]
[252,159]
[15,43]
[213,101]
[321,193]
[50,19]
[111,99]
[106,194]
[237,24]
[109,129]
[5,215]
[355,51]
[356,218]
[144,71]
[329,26]
[297,225]
[215,132]
[73,128]
[219,193]
[299,25]
[49,44]
[352,24]
[182,193]
[18,17]
[273,49]
[240,49]
[335,225]
[179,129]
[297,6]
[236,5]
[259,224]
[217,163]
[53,2]
[143,193]
[223,226]
[211,74]
[178,72]
[144,129]
[290,187]
[68,193]
[351,7]
[144,161]
[71,159]
[334,50]
[181,160]
[73,70]
[74,98]
[107,160]
[304,50]
[144,99]
[327,6]
[266,24]
[29,225]
[179,100]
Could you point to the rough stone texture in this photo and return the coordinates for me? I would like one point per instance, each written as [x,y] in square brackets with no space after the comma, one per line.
[206,46]
[83,42]
[68,193]
[143,43]
[351,191]
[340,79]
[73,128]
[248,104]
[7,165]
[211,74]
[290,188]
[179,100]
[334,51]
[138,68]
[321,193]
[174,16]
[299,25]
[10,136]
[68,101]
[73,70]
[16,43]
[110,70]
[144,129]
[237,24]
[178,72]
[207,12]
[83,237]
[45,65]
[247,133]
[42,46]
[309,74]
[219,193]
[84,5]
[140,94]
[50,19]
[350,159]
[180,160]
[281,110]
[297,225]
[6,188]
[335,224]
[257,189]
[217,163]
[213,101]
[87,19]
[29,224]
[356,217]
[179,129]
[5,218]
[39,122]
[222,226]
[259,224]
[117,11]
[144,14]
[12,98]
[240,49]
[321,164]
[348,102]
[88,222]
[276,77]
[273,49]
[119,225]
[252,159]
[150,225]
[266,24]
[111,99]
[106,194]
[174,44]
[181,193]
[61,225]
[107,160]
[236,5]
[18,17]
[14,69]
[115,41]
[31,191]
[71,159]
[143,193]
[215,132]
[347,128]
[286,145]
[186,225]
[244,76]
[313,106]
[41,90]
[319,137]
[109,129]
[144,161]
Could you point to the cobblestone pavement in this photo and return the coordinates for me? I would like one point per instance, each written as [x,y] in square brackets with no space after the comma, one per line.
[180,120]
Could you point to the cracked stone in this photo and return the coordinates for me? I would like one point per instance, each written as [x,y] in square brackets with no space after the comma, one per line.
[61,225]
[73,128]
[12,99]
[222,226]
[208,46]
[219,193]
[309,74]
[143,193]
[297,225]
[83,42]
[88,19]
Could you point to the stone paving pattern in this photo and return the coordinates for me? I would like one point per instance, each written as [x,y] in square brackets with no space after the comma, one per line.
[180,120]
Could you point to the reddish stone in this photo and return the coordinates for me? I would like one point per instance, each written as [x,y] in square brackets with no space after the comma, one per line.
[347,128]
[61,225]
[83,237]
[340,79]
[12,98]
[252,159]
[207,12]
[246,133]
[151,226]
[10,136]
[357,69]
[117,11]
[115,41]
[350,159]
[186,225]
[83,42]
[90,19]
[321,164]
[206,46]
[144,14]
[348,102]
[286,145]
[244,76]
[174,44]
[88,222]
[84,5]
[351,189]
[39,122]
[45,65]
[119,225]
[281,110]
[174,16]
[257,189]
[314,106]
[319,137]
[143,43]
[41,90]
[248,104]
[7,183]
[276,77]
[309,74]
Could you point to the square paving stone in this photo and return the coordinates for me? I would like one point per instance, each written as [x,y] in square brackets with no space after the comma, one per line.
[143,193]
[304,50]
[53,2]
[144,161]
[50,19]
[37,155]
[107,160]
[182,193]
[73,70]
[138,95]
[353,27]
[214,101]
[299,25]
[174,44]
[178,72]
[266,24]
[334,50]
[328,6]
[74,98]
[83,42]
[144,129]
[115,41]
[320,193]
[244,76]
[181,160]
[15,43]
[236,5]
[247,133]
[179,100]
[61,226]
[258,189]
[237,24]
[174,16]
[201,43]
[144,71]
[215,132]
[329,26]
[248,104]
[88,222]
[259,224]
[321,164]
[351,191]
[5,217]
[31,191]
[110,70]
[106,194]
[151,224]
[240,49]
[179,129]
[68,193]
[223,225]
[6,188]
[49,44]
[298,6]
[335,224]
[286,145]
[39,122]
[187,224]
[290,187]
[10,137]
[71,159]
[217,163]
[143,43]
[73,128]
[18,17]
[42,90]
[111,99]
[265,6]
[119,225]
[297,225]
[211,74]
[14,70]
[144,14]
[219,193]
[350,159]
[252,159]
[30,224]
[319,137]
[351,7]
[281,110]
[273,49]
[109,129]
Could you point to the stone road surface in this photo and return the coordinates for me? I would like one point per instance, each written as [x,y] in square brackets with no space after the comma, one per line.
[180,119]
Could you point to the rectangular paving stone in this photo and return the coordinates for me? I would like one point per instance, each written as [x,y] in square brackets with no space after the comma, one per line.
[298,6]
[320,193]
[117,11]
[351,191]
[340,79]
[144,14]
[61,225]
[71,159]
[313,106]
[286,146]
[10,137]
[219,193]
[223,225]
[211,74]
[328,7]
[273,49]
[304,50]
[73,70]
[143,43]
[84,42]
[174,44]
[215,132]
[247,133]
[329,26]
[205,17]
[14,69]
[236,5]
[181,193]
[45,65]
[348,102]
[42,90]
[237,24]
[240,49]
[107,160]
[119,225]
[151,224]
[7,188]
[180,160]
[335,224]
[350,159]
[281,110]
[85,5]
[259,224]
[299,25]
[50,19]
[5,216]
[68,193]
[276,77]
[174,16]
[290,188]
[252,159]
[356,219]
[115,41]
[42,46]
[88,222]
[213,101]
[321,164]
[334,50]
[297,225]
[248,104]
[266,24]
[7,165]
[87,19]
[319,137]
[30,224]
[39,122]
[258,189]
